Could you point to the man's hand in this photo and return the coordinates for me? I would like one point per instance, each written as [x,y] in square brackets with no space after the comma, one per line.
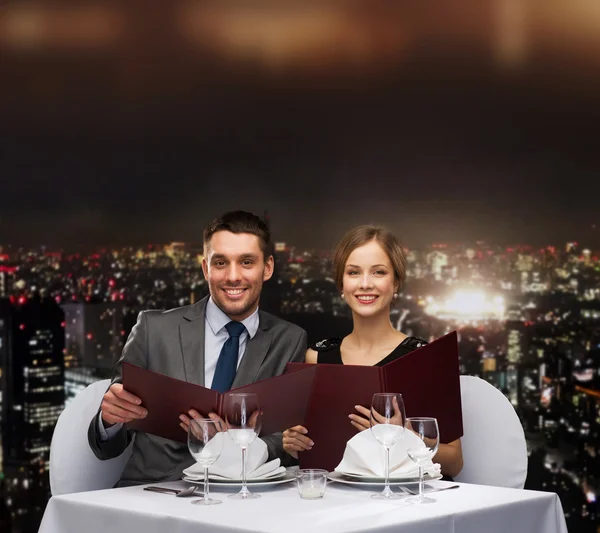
[120,406]
[295,440]
[185,420]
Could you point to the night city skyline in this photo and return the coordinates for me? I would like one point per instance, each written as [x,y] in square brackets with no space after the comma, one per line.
[527,321]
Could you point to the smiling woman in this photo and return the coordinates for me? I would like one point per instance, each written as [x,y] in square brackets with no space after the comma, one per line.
[370,269]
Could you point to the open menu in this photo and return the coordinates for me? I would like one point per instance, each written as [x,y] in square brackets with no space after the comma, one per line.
[283,400]
[428,379]
[317,396]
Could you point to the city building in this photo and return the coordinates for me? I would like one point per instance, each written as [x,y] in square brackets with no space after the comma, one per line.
[32,388]
[94,337]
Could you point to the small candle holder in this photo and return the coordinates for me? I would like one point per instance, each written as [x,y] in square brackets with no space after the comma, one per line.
[311,483]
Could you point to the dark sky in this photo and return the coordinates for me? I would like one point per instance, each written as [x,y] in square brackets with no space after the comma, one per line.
[439,143]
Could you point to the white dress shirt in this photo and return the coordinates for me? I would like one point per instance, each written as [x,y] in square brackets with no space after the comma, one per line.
[215,335]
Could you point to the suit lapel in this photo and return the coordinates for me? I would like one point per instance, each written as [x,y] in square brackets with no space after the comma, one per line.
[191,332]
[254,355]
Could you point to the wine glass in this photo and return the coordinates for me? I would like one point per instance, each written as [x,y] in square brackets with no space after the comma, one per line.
[205,444]
[428,432]
[243,421]
[387,425]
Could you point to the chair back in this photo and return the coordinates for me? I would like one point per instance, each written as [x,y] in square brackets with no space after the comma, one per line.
[73,465]
[493,444]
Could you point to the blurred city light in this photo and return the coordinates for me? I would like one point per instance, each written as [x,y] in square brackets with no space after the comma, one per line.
[468,305]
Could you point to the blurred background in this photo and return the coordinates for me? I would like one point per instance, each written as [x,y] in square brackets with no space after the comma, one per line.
[469,128]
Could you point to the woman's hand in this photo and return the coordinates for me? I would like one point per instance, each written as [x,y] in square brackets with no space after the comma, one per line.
[396,418]
[364,422]
[295,440]
[361,422]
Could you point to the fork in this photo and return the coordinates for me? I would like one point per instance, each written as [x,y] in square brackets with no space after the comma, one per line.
[180,493]
[409,491]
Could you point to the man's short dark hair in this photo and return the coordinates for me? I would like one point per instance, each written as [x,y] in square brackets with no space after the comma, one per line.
[240,222]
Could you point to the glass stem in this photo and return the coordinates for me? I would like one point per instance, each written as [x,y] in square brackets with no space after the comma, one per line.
[387,470]
[206,498]
[244,489]
[420,483]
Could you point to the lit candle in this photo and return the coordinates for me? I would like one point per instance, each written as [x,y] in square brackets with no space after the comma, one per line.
[310,492]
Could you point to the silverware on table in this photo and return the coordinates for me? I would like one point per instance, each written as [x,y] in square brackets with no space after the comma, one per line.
[180,493]
[416,493]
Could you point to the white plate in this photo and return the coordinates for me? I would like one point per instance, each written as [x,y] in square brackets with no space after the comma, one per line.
[285,478]
[214,477]
[376,481]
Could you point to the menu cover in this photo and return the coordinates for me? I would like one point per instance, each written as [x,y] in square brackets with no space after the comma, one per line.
[283,400]
[428,379]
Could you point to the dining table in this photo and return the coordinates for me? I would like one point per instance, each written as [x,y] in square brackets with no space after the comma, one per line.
[345,508]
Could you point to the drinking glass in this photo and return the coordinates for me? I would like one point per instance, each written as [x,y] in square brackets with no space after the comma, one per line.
[243,421]
[387,425]
[205,444]
[428,432]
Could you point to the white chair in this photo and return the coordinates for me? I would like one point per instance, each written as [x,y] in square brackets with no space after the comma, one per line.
[73,465]
[493,444]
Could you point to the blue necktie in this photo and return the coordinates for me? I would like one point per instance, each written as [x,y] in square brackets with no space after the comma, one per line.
[227,363]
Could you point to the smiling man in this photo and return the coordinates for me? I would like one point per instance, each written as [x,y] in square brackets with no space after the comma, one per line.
[222,342]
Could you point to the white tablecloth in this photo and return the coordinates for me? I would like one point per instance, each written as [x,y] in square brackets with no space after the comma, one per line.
[468,509]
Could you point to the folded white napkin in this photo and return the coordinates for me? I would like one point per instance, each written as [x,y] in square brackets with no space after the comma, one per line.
[365,456]
[229,463]
[265,471]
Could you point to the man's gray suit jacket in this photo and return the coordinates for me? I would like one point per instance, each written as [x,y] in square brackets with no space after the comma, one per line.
[172,343]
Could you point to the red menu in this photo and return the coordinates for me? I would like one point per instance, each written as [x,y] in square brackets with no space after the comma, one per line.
[428,379]
[319,397]
[283,399]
